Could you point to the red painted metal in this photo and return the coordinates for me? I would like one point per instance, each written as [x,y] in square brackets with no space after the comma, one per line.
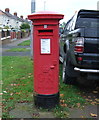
[46,52]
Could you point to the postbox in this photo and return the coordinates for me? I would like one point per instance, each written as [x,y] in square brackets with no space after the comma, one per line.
[46,58]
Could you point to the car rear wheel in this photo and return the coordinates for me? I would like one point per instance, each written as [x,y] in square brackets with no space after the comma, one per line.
[67,70]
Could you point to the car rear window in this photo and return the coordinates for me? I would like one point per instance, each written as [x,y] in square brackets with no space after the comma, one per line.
[87,22]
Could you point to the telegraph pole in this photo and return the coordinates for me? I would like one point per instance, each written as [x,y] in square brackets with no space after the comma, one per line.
[33,3]
[98,5]
[44,5]
[32,6]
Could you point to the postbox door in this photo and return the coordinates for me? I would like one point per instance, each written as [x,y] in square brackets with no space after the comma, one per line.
[46,59]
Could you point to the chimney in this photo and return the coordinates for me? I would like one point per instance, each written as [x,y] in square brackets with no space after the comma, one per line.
[7,10]
[21,16]
[15,14]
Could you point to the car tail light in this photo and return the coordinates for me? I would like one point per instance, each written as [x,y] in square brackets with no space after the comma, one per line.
[79,58]
[79,45]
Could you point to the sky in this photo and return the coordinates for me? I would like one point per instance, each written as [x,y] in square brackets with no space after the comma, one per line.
[66,7]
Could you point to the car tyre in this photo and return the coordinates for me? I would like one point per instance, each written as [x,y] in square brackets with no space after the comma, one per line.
[67,68]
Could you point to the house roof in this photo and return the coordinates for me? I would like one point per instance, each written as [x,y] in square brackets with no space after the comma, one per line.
[1,12]
[12,16]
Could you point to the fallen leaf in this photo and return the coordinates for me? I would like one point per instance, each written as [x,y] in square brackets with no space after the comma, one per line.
[25,101]
[78,104]
[93,115]
[23,84]
[95,92]
[87,99]
[3,99]
[29,76]
[62,101]
[28,82]
[22,78]
[61,105]
[65,105]
[30,73]
[82,116]
[61,95]
[89,96]
[90,100]
[15,84]
[93,103]
[11,94]
[1,104]
[84,96]
[11,98]
[17,93]
[97,100]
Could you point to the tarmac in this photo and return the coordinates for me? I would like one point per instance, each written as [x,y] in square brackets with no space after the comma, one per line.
[14,44]
[28,110]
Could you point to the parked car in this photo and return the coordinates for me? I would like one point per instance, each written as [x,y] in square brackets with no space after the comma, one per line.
[79,48]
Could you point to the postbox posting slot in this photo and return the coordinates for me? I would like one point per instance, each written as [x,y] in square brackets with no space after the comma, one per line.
[45,32]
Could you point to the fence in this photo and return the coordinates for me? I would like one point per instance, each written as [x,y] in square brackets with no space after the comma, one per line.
[7,36]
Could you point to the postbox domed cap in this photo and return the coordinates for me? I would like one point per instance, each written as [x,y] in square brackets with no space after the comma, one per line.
[46,12]
[45,15]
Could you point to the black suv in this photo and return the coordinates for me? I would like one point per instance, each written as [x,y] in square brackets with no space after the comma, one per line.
[79,48]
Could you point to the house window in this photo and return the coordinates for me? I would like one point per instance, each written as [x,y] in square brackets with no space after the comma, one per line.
[2,34]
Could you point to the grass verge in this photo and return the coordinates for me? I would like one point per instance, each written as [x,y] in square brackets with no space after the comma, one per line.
[25,43]
[17,82]
[18,50]
[18,87]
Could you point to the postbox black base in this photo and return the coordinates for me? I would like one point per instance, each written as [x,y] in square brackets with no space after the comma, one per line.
[46,101]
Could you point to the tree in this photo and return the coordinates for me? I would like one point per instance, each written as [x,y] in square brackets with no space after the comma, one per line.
[25,26]
[6,27]
[62,25]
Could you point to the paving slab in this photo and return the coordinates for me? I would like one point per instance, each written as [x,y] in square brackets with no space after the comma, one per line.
[84,112]
[28,110]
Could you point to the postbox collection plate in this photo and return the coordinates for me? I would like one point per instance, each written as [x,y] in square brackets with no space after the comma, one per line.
[45,46]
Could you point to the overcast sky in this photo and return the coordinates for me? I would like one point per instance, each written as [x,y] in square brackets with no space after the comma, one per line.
[66,7]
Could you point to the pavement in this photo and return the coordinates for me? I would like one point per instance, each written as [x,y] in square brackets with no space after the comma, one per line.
[28,110]
[14,44]
[89,111]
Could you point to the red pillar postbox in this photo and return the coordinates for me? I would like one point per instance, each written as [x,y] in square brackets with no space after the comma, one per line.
[46,58]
